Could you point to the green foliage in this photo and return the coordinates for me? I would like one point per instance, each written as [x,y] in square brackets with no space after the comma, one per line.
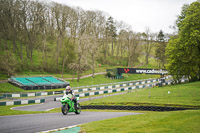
[43,38]
[183,51]
[182,16]
[3,76]
[110,28]
[8,63]
[68,51]
[152,63]
[160,49]
[116,61]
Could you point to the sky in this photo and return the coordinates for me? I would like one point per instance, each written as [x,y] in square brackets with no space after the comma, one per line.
[139,14]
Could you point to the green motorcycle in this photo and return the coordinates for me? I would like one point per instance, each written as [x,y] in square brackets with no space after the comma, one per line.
[68,105]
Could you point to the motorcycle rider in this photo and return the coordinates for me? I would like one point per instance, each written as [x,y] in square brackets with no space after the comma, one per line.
[70,91]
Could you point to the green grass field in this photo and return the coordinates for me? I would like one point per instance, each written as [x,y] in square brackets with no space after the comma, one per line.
[180,95]
[99,79]
[152,122]
[9,88]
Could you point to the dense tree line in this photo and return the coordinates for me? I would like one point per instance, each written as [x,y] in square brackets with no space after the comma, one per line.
[56,38]
[183,49]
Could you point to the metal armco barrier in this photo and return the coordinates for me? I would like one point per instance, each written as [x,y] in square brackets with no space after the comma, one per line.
[121,84]
[111,90]
[141,108]
[19,102]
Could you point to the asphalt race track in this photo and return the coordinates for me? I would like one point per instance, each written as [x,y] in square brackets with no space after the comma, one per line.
[42,122]
[48,121]
[48,105]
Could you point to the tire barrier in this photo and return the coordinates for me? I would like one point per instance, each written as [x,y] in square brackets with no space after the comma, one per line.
[19,102]
[138,108]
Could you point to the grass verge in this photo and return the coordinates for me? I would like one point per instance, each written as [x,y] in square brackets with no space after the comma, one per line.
[154,122]
[99,79]
[182,95]
[6,110]
[8,88]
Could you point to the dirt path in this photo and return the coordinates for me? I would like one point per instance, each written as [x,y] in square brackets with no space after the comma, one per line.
[3,81]
[86,76]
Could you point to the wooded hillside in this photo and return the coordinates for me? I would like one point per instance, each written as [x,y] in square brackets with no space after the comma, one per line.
[56,38]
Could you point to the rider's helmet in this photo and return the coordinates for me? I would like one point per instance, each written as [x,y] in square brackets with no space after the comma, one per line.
[68,89]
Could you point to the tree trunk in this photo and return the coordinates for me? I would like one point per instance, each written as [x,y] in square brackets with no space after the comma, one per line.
[31,58]
[93,65]
[198,75]
[5,45]
[21,50]
[63,65]
[15,48]
[104,51]
[129,59]
[112,48]
[44,54]
[79,69]
[147,59]
[73,76]
[57,47]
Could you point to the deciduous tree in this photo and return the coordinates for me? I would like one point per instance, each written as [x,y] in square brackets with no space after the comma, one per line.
[183,51]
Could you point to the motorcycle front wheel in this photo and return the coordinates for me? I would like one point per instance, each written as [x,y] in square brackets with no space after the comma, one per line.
[78,110]
[64,109]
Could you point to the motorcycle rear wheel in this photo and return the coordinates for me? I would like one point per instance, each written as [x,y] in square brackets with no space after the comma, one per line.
[64,109]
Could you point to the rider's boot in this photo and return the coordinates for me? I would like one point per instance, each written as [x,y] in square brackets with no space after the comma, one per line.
[75,106]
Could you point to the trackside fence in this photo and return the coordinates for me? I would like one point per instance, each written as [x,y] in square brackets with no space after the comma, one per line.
[78,89]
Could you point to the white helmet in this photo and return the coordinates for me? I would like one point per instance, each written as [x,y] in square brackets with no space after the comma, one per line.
[68,88]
